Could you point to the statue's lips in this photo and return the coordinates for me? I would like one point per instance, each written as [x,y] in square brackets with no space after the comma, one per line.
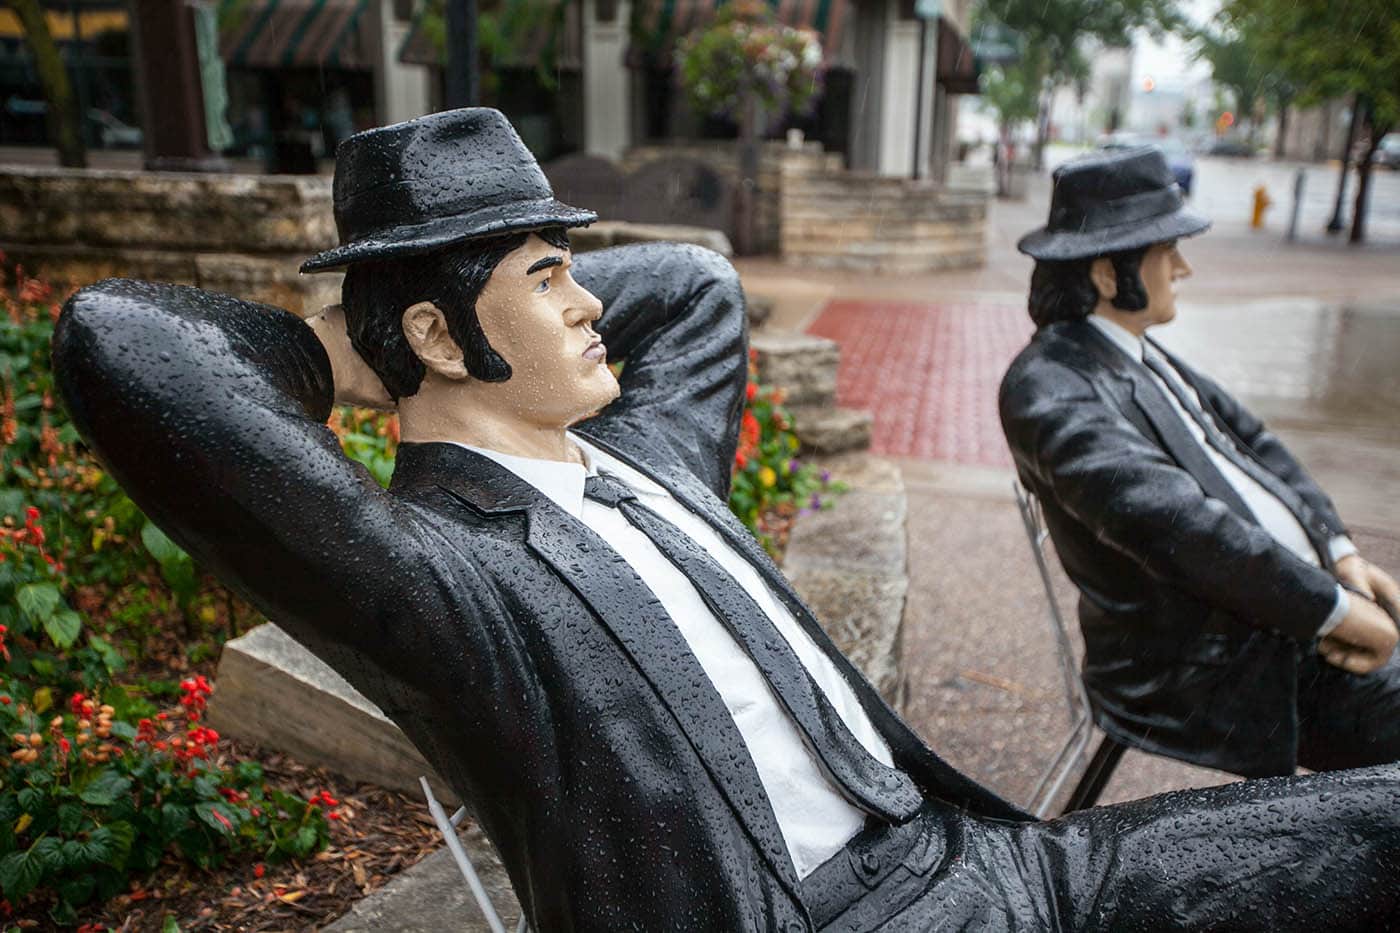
[596,352]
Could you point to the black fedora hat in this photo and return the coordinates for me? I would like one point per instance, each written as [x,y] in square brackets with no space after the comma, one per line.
[1112,201]
[428,183]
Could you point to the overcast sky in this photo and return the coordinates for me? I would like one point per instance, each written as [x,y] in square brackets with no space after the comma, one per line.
[1171,61]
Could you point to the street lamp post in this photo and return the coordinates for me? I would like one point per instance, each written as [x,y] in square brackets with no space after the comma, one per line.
[463,79]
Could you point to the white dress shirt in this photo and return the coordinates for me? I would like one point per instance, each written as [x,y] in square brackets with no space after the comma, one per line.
[1272,514]
[815,819]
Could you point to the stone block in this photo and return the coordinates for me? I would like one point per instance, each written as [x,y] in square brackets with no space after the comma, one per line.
[422,898]
[849,564]
[275,692]
[803,366]
[625,232]
[607,233]
[862,613]
[826,430]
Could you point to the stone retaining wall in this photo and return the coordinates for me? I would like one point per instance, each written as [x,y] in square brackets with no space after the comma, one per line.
[848,220]
[242,234]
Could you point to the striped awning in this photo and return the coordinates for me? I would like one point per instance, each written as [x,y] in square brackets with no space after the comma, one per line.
[524,30]
[659,23]
[294,34]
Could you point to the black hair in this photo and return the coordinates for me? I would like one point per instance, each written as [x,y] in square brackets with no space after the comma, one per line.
[1063,291]
[376,292]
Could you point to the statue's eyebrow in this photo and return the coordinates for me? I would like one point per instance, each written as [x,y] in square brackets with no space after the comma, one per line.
[544,263]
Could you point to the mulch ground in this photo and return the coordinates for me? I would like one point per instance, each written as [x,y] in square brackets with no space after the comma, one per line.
[382,833]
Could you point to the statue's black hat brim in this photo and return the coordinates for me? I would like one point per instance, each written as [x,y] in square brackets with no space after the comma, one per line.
[440,232]
[1057,245]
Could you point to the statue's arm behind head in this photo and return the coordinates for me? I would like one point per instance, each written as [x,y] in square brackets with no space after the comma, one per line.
[210,412]
[674,314]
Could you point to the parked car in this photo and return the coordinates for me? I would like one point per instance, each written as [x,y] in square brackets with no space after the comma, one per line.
[1231,147]
[1388,152]
[22,121]
[1179,158]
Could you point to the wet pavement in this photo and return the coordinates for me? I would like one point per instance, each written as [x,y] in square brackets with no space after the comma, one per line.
[1307,334]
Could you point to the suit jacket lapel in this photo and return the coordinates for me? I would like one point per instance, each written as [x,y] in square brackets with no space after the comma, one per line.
[1278,487]
[947,782]
[636,619]
[1176,438]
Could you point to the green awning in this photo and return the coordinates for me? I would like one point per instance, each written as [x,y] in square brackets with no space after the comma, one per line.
[294,34]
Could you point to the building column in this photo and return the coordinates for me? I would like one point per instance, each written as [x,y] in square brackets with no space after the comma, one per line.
[607,90]
[401,92]
[172,93]
[906,114]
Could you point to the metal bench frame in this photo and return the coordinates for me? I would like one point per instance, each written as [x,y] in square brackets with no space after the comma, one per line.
[1071,752]
[447,825]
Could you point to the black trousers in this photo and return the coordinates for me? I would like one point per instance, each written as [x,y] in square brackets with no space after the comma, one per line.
[1346,720]
[1315,852]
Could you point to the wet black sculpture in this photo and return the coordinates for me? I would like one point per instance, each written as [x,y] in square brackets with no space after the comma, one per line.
[1208,561]
[533,668]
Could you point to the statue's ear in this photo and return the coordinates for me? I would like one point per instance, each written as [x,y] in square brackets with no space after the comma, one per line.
[425,329]
[1104,277]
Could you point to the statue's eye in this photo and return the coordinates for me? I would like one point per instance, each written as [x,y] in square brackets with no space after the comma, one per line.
[543,286]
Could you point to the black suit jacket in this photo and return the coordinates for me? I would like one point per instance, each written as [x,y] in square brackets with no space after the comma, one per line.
[1193,615]
[533,669]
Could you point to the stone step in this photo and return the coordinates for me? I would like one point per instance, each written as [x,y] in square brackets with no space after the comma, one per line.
[422,898]
[803,366]
[825,430]
[607,233]
[265,672]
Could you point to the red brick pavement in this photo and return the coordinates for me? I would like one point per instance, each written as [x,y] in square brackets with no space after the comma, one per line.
[928,372]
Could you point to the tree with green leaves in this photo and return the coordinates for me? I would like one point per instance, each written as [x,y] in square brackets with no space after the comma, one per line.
[1236,66]
[1328,49]
[1057,33]
[1012,92]
[65,128]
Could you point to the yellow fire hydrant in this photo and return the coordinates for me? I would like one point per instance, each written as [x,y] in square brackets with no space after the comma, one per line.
[1261,204]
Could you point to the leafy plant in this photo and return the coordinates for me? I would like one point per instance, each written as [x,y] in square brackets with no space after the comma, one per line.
[92,799]
[370,438]
[770,485]
[746,56]
[100,791]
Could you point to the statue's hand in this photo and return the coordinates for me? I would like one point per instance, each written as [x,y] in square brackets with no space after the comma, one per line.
[1363,641]
[1370,581]
[355,383]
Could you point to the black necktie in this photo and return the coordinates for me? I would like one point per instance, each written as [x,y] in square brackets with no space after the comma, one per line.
[1221,442]
[869,783]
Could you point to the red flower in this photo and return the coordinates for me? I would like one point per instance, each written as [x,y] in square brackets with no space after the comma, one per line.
[259,870]
[751,392]
[65,746]
[221,818]
[75,703]
[324,798]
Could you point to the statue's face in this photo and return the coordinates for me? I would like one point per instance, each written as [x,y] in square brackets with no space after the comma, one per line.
[540,321]
[1161,267]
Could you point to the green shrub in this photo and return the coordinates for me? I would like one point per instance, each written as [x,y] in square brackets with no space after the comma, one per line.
[97,793]
[92,799]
